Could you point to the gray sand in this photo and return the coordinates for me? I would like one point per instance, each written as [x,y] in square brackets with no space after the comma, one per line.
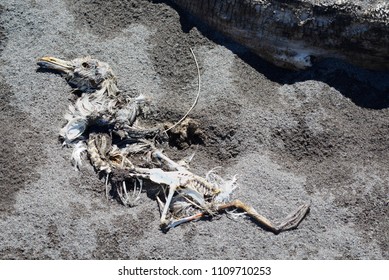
[319,136]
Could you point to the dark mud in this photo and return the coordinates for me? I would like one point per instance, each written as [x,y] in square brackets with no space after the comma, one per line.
[20,151]
[320,135]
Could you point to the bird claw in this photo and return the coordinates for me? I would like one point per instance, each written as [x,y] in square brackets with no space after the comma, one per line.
[130,199]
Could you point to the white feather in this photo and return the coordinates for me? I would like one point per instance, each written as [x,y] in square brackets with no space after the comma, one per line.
[140,99]
[73,129]
[226,186]
[77,154]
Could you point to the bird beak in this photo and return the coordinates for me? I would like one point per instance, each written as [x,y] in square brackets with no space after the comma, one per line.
[55,64]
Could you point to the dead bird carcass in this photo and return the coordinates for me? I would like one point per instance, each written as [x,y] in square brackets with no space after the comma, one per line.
[102,122]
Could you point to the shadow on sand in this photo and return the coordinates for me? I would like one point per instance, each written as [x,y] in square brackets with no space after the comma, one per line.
[366,88]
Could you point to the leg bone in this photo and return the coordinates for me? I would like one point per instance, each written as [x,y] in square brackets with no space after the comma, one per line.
[290,222]
[172,189]
[174,223]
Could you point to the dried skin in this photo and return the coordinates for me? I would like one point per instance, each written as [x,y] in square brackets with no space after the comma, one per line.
[97,146]
[185,134]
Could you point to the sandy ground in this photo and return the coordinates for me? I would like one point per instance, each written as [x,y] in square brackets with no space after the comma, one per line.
[319,136]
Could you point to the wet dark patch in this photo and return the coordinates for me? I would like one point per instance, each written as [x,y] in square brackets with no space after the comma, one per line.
[378,142]
[87,180]
[53,235]
[9,253]
[125,234]
[363,141]
[3,36]
[220,141]
[173,60]
[106,18]
[300,142]
[223,143]
[108,245]
[21,151]
[372,217]
[367,209]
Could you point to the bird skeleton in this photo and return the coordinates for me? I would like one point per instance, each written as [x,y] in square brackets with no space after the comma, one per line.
[103,113]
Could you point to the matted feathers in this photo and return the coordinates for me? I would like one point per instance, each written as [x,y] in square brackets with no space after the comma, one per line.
[77,154]
[226,186]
